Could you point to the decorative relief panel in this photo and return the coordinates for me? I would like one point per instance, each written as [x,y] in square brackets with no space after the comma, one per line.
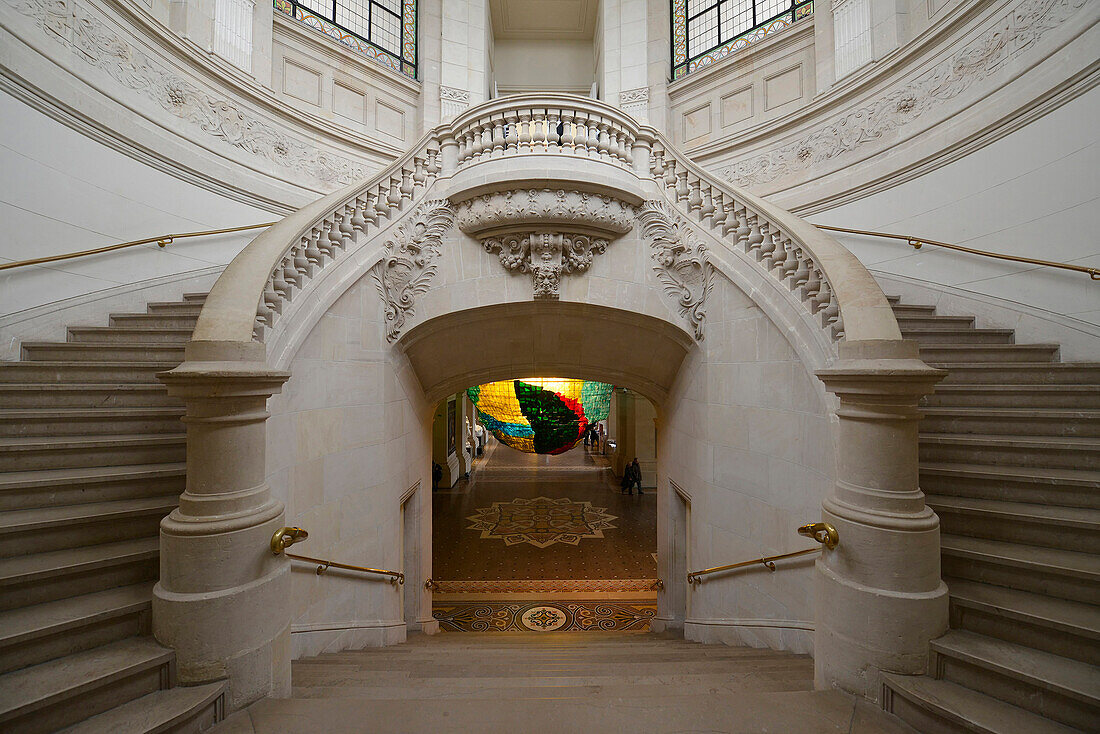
[452,101]
[1014,33]
[546,256]
[680,261]
[410,262]
[93,42]
[635,102]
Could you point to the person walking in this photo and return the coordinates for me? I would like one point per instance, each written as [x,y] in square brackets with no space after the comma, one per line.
[636,476]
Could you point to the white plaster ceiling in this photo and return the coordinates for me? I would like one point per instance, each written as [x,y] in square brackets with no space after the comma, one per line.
[527,19]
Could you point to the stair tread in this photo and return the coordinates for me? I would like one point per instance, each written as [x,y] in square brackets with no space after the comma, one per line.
[176,346]
[1007,364]
[29,519]
[1082,517]
[127,412]
[971,709]
[1051,475]
[1071,616]
[155,712]
[91,474]
[1001,412]
[132,329]
[1066,442]
[26,690]
[74,386]
[1071,678]
[80,441]
[978,387]
[25,623]
[1085,565]
[54,563]
[920,330]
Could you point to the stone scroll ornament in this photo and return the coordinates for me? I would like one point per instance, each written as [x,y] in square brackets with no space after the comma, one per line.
[680,261]
[546,256]
[410,262]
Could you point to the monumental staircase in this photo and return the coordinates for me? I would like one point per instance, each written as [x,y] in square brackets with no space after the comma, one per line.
[92,457]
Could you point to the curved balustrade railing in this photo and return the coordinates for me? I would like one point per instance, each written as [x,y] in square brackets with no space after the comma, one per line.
[832,284]
[826,278]
[538,123]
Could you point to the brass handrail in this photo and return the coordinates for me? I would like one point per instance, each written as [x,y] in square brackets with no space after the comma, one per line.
[396,577]
[283,538]
[822,532]
[917,243]
[162,241]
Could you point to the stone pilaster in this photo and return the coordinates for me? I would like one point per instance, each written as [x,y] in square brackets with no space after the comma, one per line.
[223,600]
[878,595]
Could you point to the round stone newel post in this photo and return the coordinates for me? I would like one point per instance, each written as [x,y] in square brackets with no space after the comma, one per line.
[878,595]
[222,601]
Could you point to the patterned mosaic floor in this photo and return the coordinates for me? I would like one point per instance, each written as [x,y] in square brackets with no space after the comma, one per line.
[545,616]
[526,516]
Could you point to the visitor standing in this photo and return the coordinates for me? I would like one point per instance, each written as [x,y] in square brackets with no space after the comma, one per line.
[636,476]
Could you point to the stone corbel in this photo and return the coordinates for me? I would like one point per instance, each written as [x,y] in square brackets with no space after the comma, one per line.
[546,233]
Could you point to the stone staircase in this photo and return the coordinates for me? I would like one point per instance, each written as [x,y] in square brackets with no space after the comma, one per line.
[1010,461]
[91,458]
[558,682]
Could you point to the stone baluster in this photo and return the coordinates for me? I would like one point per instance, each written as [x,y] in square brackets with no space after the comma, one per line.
[420,175]
[313,253]
[801,273]
[302,262]
[755,237]
[511,132]
[381,194]
[695,195]
[812,287]
[741,220]
[498,131]
[706,210]
[539,135]
[604,145]
[682,188]
[393,198]
[765,253]
[592,129]
[406,185]
[568,132]
[525,136]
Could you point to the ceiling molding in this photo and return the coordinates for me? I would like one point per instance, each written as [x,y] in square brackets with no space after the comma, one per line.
[544,19]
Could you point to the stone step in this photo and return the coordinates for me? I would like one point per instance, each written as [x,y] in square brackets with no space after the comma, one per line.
[1057,626]
[997,353]
[180,710]
[85,395]
[43,577]
[1058,573]
[1065,487]
[1068,528]
[1064,690]
[1020,373]
[128,335]
[1012,421]
[67,452]
[928,321]
[158,320]
[177,308]
[940,707]
[47,529]
[55,694]
[90,421]
[958,336]
[1083,397]
[42,632]
[1031,451]
[912,309]
[586,663]
[61,372]
[59,487]
[101,352]
[199,298]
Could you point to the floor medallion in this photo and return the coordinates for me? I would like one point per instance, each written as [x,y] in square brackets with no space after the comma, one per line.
[541,521]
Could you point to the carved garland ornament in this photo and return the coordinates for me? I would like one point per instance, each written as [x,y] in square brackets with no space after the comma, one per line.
[680,261]
[92,41]
[1012,34]
[410,262]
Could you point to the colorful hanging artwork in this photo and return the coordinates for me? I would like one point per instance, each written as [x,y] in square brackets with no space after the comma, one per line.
[541,415]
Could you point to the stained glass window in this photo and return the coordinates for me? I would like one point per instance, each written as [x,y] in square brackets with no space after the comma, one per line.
[541,415]
[383,30]
[705,31]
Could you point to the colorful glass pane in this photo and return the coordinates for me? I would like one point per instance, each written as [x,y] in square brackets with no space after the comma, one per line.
[541,415]
[369,27]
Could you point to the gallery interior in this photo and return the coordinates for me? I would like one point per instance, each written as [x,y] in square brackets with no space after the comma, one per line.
[616,365]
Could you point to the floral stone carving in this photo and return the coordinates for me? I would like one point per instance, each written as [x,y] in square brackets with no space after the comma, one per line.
[546,256]
[680,261]
[411,261]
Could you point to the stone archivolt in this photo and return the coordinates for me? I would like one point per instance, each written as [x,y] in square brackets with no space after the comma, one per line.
[572,227]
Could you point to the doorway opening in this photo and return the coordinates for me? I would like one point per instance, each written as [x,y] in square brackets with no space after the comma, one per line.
[541,518]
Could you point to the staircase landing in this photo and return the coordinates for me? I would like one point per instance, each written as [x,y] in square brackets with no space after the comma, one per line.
[559,682]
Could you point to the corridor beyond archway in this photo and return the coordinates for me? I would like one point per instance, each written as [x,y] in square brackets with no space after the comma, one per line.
[543,543]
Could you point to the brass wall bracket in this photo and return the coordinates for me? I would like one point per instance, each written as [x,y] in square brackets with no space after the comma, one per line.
[822,532]
[286,537]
